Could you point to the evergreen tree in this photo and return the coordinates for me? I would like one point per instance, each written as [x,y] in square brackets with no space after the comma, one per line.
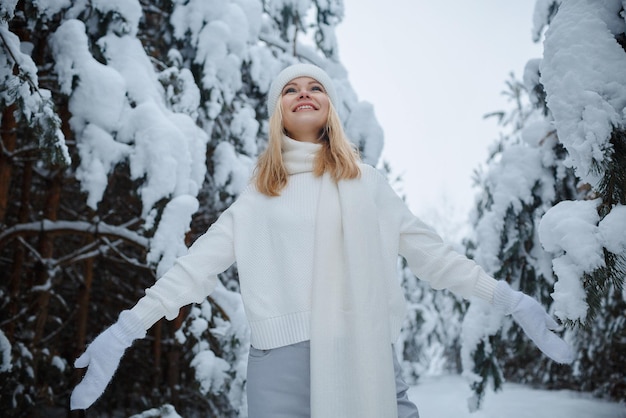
[127,128]
[537,185]
[523,178]
[589,119]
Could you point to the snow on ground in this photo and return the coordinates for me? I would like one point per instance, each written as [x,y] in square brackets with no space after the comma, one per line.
[446,397]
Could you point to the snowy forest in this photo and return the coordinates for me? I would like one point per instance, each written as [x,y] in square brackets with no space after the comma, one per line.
[129,126]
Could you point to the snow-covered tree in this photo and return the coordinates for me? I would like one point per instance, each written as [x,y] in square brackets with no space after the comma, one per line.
[551,217]
[523,178]
[127,128]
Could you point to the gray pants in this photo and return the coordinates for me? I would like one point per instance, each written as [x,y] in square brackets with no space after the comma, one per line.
[279,384]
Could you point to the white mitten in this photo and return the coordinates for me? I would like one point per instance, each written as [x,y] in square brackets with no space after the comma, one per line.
[103,356]
[534,320]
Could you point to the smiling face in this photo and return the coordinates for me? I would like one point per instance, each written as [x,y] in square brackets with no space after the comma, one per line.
[305,107]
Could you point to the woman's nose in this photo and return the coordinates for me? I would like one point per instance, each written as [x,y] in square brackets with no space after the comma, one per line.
[304,93]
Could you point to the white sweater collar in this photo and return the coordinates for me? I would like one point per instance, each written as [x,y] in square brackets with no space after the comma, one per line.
[298,156]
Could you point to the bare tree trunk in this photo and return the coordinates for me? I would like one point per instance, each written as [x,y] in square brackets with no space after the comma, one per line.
[20,252]
[9,141]
[46,251]
[43,279]
[157,350]
[173,357]
[8,136]
[83,305]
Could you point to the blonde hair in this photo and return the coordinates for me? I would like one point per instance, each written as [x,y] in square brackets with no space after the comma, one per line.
[337,156]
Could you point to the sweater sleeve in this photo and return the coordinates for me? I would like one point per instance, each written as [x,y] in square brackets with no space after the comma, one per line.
[193,276]
[428,257]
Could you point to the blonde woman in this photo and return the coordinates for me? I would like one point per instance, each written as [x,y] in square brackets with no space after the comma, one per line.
[316,238]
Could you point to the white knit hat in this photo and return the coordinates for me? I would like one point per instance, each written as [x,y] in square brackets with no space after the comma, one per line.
[295,71]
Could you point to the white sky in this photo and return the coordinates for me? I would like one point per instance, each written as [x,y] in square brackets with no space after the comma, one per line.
[432,69]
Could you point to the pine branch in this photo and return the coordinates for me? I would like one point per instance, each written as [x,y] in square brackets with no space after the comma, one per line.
[24,75]
[598,285]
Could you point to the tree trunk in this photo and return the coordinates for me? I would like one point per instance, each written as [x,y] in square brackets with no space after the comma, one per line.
[44,279]
[173,369]
[46,250]
[157,352]
[9,140]
[83,306]
[20,252]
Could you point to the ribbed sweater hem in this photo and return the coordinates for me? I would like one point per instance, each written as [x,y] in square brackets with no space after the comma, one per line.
[265,334]
[280,331]
[293,328]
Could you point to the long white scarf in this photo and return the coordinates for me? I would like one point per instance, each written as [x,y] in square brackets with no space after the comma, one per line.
[351,359]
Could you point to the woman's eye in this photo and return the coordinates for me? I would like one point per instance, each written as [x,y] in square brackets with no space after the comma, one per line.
[317,88]
[289,90]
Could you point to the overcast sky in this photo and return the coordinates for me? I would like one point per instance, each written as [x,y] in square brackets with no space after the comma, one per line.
[432,70]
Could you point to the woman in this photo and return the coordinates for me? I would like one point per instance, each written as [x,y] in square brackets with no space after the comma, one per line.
[316,238]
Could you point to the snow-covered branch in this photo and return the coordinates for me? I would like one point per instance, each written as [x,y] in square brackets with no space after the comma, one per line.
[76,227]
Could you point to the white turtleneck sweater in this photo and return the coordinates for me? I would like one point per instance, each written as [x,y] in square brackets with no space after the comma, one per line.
[272,240]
